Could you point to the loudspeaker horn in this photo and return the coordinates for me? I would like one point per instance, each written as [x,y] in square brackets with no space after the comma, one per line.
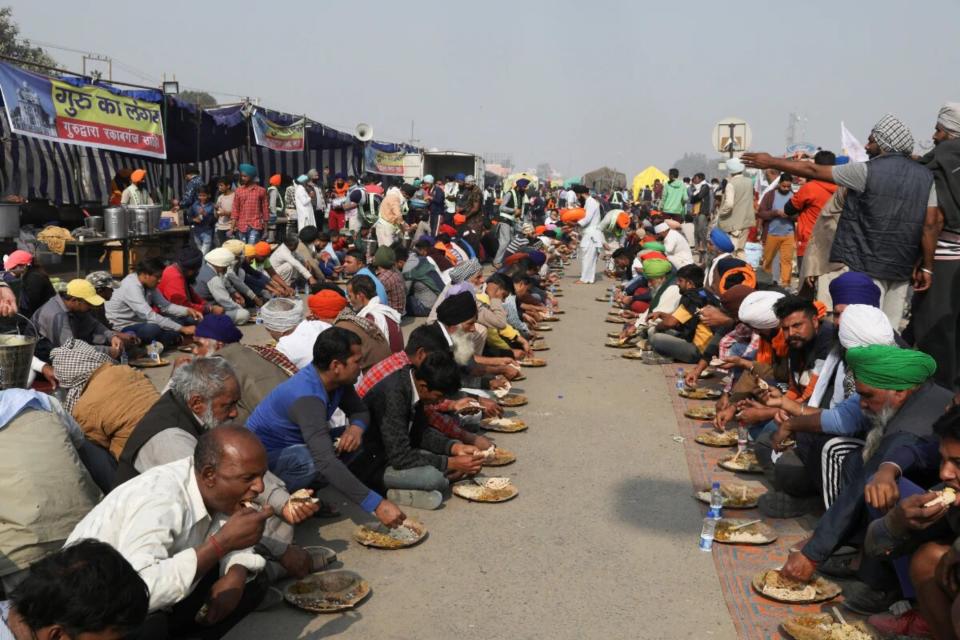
[364,132]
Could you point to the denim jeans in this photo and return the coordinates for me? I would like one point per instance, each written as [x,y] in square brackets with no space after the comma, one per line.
[294,465]
[251,235]
[203,238]
[148,332]
[419,478]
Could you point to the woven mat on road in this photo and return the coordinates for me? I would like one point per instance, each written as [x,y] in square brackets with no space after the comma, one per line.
[753,615]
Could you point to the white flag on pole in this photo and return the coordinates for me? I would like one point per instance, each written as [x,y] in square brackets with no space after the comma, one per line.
[851,146]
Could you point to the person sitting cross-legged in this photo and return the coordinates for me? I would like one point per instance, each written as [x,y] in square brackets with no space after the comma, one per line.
[414,463]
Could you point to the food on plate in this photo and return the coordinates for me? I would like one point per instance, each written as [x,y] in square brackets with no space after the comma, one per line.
[701,393]
[383,537]
[735,495]
[745,461]
[779,586]
[739,531]
[717,438]
[505,425]
[823,626]
[701,413]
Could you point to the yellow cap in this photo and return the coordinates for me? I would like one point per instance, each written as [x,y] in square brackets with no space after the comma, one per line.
[249,251]
[85,291]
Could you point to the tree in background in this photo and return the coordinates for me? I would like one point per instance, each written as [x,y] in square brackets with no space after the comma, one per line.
[11,44]
[201,98]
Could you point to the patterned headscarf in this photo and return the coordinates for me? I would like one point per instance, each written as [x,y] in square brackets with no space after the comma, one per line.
[75,363]
[368,327]
[892,136]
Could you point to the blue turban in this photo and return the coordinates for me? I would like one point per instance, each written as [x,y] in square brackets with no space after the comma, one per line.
[219,328]
[854,287]
[721,240]
[303,179]
[537,257]
[460,177]
[248,170]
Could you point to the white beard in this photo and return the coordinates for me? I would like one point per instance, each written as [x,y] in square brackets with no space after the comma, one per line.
[208,421]
[462,348]
[878,429]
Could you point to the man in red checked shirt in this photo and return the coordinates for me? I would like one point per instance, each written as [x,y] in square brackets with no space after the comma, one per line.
[250,207]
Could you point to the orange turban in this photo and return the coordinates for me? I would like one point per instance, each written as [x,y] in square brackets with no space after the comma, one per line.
[623,220]
[262,249]
[459,218]
[326,303]
[138,175]
[569,216]
[542,229]
[275,180]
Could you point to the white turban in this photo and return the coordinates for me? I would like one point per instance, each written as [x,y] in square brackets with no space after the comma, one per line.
[220,257]
[735,165]
[281,314]
[862,325]
[756,310]
[663,227]
[949,118]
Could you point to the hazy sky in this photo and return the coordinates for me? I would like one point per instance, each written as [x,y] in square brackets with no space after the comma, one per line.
[575,84]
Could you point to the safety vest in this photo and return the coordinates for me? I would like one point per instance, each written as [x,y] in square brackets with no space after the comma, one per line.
[616,198]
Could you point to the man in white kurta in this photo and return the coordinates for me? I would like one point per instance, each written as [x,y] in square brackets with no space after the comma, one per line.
[678,250]
[591,238]
[306,216]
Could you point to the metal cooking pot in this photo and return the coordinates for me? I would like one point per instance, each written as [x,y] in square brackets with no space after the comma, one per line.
[139,222]
[94,222]
[116,222]
[153,216]
[9,220]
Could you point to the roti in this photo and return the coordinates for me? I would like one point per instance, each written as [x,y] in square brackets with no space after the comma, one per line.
[503,425]
[755,534]
[382,537]
[735,495]
[745,462]
[717,439]
[771,584]
[533,362]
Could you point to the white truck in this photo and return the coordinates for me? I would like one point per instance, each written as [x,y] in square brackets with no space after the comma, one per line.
[441,164]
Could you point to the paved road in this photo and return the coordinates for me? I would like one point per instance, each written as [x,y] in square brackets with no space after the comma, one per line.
[600,543]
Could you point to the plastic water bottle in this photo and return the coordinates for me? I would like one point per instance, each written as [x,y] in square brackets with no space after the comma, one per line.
[681,385]
[706,534]
[611,296]
[716,502]
[124,359]
[742,439]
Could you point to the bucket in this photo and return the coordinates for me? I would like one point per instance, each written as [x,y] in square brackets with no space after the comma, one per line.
[16,355]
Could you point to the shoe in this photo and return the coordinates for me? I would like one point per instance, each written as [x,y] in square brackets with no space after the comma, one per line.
[417,499]
[777,504]
[910,624]
[839,567]
[861,598]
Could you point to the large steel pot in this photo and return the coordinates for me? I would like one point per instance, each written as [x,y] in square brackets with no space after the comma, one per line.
[9,220]
[139,221]
[116,222]
[94,222]
[153,216]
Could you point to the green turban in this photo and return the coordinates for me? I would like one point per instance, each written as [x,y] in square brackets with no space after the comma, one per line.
[889,367]
[384,257]
[655,246]
[656,268]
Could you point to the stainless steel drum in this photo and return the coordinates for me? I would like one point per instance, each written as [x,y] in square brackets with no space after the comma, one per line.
[9,220]
[139,221]
[116,222]
[153,216]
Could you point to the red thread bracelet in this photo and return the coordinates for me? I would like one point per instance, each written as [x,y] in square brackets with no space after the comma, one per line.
[216,545]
